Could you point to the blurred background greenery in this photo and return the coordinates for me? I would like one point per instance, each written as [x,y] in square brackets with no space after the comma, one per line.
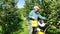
[14,20]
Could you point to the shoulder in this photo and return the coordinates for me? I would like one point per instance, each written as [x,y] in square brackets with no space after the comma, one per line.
[32,11]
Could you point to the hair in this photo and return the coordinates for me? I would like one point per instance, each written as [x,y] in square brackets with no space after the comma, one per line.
[39,19]
[35,7]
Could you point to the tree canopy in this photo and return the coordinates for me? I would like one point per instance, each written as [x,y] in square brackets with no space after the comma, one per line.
[12,19]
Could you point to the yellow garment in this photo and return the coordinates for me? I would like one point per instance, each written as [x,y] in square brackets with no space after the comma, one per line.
[34,23]
[40,32]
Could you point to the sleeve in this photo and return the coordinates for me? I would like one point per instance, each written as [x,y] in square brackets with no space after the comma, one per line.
[30,14]
[44,18]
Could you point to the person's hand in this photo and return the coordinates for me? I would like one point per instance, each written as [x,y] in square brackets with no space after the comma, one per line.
[46,19]
[33,17]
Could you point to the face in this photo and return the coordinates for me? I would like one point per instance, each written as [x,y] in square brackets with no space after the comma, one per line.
[36,9]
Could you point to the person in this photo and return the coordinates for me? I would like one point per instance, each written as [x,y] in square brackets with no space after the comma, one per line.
[33,15]
[41,25]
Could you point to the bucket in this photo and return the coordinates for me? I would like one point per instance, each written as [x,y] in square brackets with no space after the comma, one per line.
[40,32]
[34,23]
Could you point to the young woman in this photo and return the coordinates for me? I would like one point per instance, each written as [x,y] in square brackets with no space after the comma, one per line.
[33,15]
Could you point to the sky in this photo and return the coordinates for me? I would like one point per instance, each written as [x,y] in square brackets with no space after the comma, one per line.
[20,3]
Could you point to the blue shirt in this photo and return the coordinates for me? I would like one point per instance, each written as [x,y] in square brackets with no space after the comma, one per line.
[35,15]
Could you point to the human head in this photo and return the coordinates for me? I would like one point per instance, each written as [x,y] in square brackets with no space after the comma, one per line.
[36,8]
[39,19]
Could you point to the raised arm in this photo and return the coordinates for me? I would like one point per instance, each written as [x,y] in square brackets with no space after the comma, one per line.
[44,18]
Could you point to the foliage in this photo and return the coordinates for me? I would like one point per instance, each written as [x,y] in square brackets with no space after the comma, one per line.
[48,8]
[10,22]
[12,19]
